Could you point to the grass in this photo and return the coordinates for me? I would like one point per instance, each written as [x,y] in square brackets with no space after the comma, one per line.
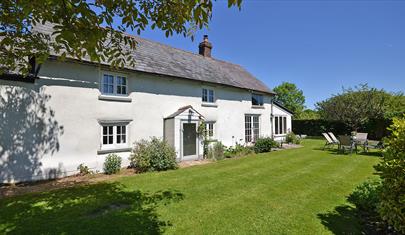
[298,191]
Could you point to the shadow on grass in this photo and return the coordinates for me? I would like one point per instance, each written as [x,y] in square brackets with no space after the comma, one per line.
[335,151]
[343,220]
[105,208]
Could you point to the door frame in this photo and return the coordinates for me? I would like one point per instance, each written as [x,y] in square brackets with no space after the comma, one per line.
[197,154]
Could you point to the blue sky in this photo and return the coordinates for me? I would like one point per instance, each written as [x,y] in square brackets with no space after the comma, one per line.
[319,45]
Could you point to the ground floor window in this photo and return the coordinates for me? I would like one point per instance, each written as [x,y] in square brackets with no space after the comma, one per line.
[209,128]
[252,128]
[114,135]
[280,125]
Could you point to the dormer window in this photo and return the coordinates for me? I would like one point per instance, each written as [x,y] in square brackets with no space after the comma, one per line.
[114,85]
[208,95]
[257,100]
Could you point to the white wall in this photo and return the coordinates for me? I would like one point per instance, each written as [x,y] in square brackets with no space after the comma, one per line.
[73,91]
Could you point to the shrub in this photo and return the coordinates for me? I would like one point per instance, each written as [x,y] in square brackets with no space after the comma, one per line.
[84,170]
[292,138]
[237,151]
[391,170]
[366,196]
[112,164]
[153,155]
[216,151]
[264,145]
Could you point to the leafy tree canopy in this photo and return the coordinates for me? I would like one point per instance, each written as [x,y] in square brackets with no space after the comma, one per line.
[86,28]
[356,106]
[309,114]
[291,97]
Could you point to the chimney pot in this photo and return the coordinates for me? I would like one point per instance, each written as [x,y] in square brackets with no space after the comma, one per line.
[205,47]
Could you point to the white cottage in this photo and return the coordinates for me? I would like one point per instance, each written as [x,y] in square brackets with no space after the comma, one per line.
[77,112]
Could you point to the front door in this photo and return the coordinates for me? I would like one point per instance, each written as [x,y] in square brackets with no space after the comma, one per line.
[189,140]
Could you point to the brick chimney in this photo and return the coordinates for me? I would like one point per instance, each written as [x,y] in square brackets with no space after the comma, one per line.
[205,47]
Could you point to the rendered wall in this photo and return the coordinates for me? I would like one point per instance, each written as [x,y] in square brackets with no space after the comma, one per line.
[48,128]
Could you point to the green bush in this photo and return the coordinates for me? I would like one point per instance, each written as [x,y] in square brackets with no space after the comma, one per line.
[264,145]
[84,170]
[216,151]
[366,196]
[237,151]
[112,164]
[292,138]
[153,155]
[392,172]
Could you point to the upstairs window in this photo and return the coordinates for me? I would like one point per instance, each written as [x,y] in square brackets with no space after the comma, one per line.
[208,95]
[257,99]
[114,85]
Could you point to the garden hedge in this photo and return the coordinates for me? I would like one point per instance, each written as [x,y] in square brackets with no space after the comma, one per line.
[376,128]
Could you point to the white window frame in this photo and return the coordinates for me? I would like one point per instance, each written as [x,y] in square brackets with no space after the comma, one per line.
[281,125]
[115,84]
[213,123]
[262,99]
[114,145]
[253,138]
[208,89]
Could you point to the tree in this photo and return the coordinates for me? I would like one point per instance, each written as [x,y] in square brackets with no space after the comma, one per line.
[291,97]
[309,114]
[86,28]
[357,106]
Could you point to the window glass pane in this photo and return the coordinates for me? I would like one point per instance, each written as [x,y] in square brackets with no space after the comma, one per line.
[284,125]
[105,140]
[211,96]
[107,84]
[257,99]
[276,125]
[110,139]
[121,136]
[256,126]
[121,85]
[204,95]
[248,128]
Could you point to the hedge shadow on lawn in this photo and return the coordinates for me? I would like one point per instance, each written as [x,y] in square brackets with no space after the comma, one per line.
[92,209]
[343,219]
[335,151]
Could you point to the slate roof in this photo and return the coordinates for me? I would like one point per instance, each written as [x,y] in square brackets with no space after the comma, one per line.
[157,58]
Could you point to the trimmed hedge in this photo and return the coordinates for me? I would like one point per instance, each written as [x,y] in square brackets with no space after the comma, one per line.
[376,129]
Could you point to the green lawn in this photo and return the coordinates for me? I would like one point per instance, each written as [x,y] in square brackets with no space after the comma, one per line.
[298,191]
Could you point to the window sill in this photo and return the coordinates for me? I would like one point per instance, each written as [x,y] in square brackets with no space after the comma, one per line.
[114,150]
[257,107]
[214,105]
[115,98]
